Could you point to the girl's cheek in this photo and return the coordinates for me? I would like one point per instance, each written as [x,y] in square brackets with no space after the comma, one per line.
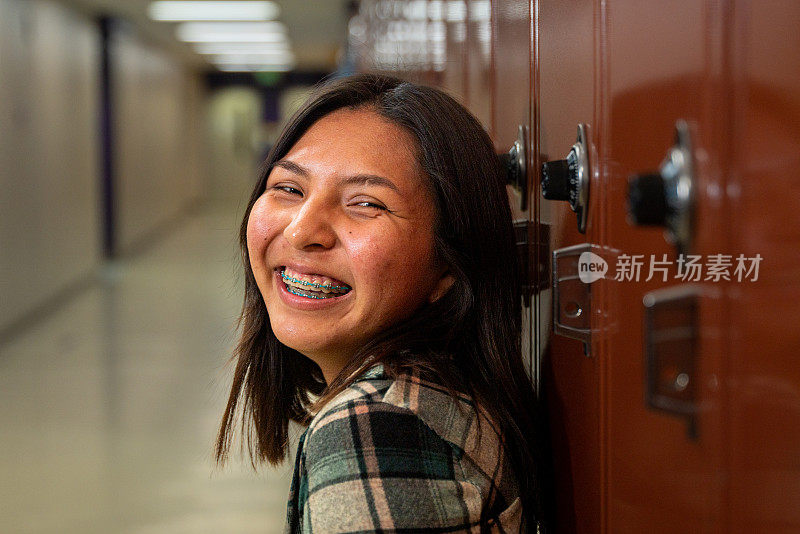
[252,237]
[260,226]
[378,259]
[366,250]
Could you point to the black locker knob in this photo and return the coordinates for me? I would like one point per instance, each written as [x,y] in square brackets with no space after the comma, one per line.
[561,180]
[556,180]
[515,167]
[568,179]
[667,197]
[647,200]
[511,166]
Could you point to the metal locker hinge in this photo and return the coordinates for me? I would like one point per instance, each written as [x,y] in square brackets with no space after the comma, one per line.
[532,255]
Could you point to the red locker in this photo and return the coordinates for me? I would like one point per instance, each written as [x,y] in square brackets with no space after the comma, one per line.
[686,405]
[672,394]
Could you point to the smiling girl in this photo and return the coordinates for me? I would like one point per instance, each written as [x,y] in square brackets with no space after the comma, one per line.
[382,312]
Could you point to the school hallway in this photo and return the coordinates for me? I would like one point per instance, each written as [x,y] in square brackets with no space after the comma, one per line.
[650,152]
[112,399]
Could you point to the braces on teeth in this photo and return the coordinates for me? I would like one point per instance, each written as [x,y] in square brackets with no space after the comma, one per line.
[304,293]
[312,284]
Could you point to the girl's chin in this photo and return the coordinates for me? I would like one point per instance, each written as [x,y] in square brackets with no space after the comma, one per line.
[305,344]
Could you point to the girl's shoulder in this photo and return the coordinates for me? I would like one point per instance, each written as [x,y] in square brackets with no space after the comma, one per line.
[380,406]
[455,419]
[405,440]
[375,391]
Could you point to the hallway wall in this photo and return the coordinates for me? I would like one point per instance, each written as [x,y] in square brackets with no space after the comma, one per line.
[51,221]
[159,129]
[235,143]
[49,208]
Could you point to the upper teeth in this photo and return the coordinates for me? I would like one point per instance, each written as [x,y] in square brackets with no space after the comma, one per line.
[304,281]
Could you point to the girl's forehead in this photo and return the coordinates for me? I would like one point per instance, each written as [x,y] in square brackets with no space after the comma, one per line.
[348,142]
[362,126]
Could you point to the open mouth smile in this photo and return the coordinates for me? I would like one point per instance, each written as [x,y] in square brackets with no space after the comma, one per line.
[312,286]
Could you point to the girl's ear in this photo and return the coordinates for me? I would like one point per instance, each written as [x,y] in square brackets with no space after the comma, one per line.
[444,283]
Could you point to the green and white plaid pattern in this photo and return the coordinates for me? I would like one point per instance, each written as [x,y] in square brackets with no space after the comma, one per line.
[397,456]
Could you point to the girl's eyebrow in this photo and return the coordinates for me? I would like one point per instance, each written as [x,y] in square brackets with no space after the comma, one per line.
[356,179]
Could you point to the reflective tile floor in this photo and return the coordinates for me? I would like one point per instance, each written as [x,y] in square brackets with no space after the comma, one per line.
[110,404]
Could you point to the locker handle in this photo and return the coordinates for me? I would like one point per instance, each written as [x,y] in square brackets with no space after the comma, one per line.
[670,348]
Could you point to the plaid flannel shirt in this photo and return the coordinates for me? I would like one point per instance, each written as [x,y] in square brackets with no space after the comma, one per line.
[397,456]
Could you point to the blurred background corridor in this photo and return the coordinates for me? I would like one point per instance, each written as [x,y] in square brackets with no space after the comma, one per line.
[111,400]
[129,143]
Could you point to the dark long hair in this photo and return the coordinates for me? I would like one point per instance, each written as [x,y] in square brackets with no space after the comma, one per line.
[469,339]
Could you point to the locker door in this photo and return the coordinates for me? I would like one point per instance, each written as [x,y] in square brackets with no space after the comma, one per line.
[761,210]
[660,342]
[511,109]
[731,70]
[563,74]
[634,450]
[455,75]
[479,59]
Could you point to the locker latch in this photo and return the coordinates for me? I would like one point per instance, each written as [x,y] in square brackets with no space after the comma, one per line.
[572,298]
[533,242]
[671,318]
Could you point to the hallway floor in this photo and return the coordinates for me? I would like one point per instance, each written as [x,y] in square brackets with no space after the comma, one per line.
[110,404]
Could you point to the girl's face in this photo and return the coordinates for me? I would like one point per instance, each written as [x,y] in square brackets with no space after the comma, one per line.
[346,208]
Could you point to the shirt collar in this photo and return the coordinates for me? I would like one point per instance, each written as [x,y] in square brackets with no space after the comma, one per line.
[373,372]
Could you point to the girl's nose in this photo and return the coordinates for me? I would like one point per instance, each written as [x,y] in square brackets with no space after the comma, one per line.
[310,227]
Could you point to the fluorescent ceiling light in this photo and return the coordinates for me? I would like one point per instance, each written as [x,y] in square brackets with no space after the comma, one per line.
[232,32]
[254,59]
[207,10]
[254,68]
[240,48]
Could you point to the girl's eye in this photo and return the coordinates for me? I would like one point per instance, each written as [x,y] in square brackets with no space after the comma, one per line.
[285,188]
[372,205]
[294,191]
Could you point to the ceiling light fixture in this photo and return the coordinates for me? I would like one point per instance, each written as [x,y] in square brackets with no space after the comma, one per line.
[233,32]
[249,59]
[240,48]
[206,10]
[254,68]
[254,59]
